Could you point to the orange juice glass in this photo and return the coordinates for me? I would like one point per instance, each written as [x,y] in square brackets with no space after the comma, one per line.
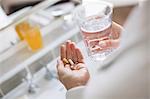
[23,26]
[33,38]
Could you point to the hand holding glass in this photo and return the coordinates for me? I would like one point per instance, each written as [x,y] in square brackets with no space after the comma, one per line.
[95,22]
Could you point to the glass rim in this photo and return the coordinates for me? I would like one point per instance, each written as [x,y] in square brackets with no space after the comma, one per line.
[95,2]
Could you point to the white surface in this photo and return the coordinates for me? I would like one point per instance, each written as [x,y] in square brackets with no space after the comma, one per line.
[118,3]
[54,94]
[6,37]
[23,97]
[13,16]
[4,20]
[39,19]
[61,9]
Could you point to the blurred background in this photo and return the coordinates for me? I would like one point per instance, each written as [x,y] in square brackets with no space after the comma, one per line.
[28,65]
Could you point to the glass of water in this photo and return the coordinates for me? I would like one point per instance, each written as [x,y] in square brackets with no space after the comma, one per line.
[95,23]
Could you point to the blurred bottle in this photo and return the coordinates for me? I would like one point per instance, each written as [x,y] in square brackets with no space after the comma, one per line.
[31,34]
[23,26]
[33,38]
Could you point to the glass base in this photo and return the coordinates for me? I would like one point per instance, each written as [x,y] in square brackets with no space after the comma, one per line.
[101,56]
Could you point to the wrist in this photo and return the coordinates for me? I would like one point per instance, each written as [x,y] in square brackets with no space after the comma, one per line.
[76,85]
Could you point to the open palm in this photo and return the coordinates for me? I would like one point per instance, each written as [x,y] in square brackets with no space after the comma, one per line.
[75,73]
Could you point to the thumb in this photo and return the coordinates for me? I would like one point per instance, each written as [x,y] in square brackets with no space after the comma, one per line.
[60,65]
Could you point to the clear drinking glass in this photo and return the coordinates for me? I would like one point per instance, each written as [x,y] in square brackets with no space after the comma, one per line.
[95,22]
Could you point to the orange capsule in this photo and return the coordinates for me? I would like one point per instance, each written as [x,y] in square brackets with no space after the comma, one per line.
[65,61]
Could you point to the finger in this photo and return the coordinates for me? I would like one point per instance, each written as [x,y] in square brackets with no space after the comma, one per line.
[74,55]
[79,55]
[68,50]
[94,44]
[63,52]
[116,30]
[60,67]
[80,66]
[75,67]
[96,49]
[109,44]
[117,26]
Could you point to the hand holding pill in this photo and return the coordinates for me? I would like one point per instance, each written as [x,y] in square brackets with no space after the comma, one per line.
[72,70]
